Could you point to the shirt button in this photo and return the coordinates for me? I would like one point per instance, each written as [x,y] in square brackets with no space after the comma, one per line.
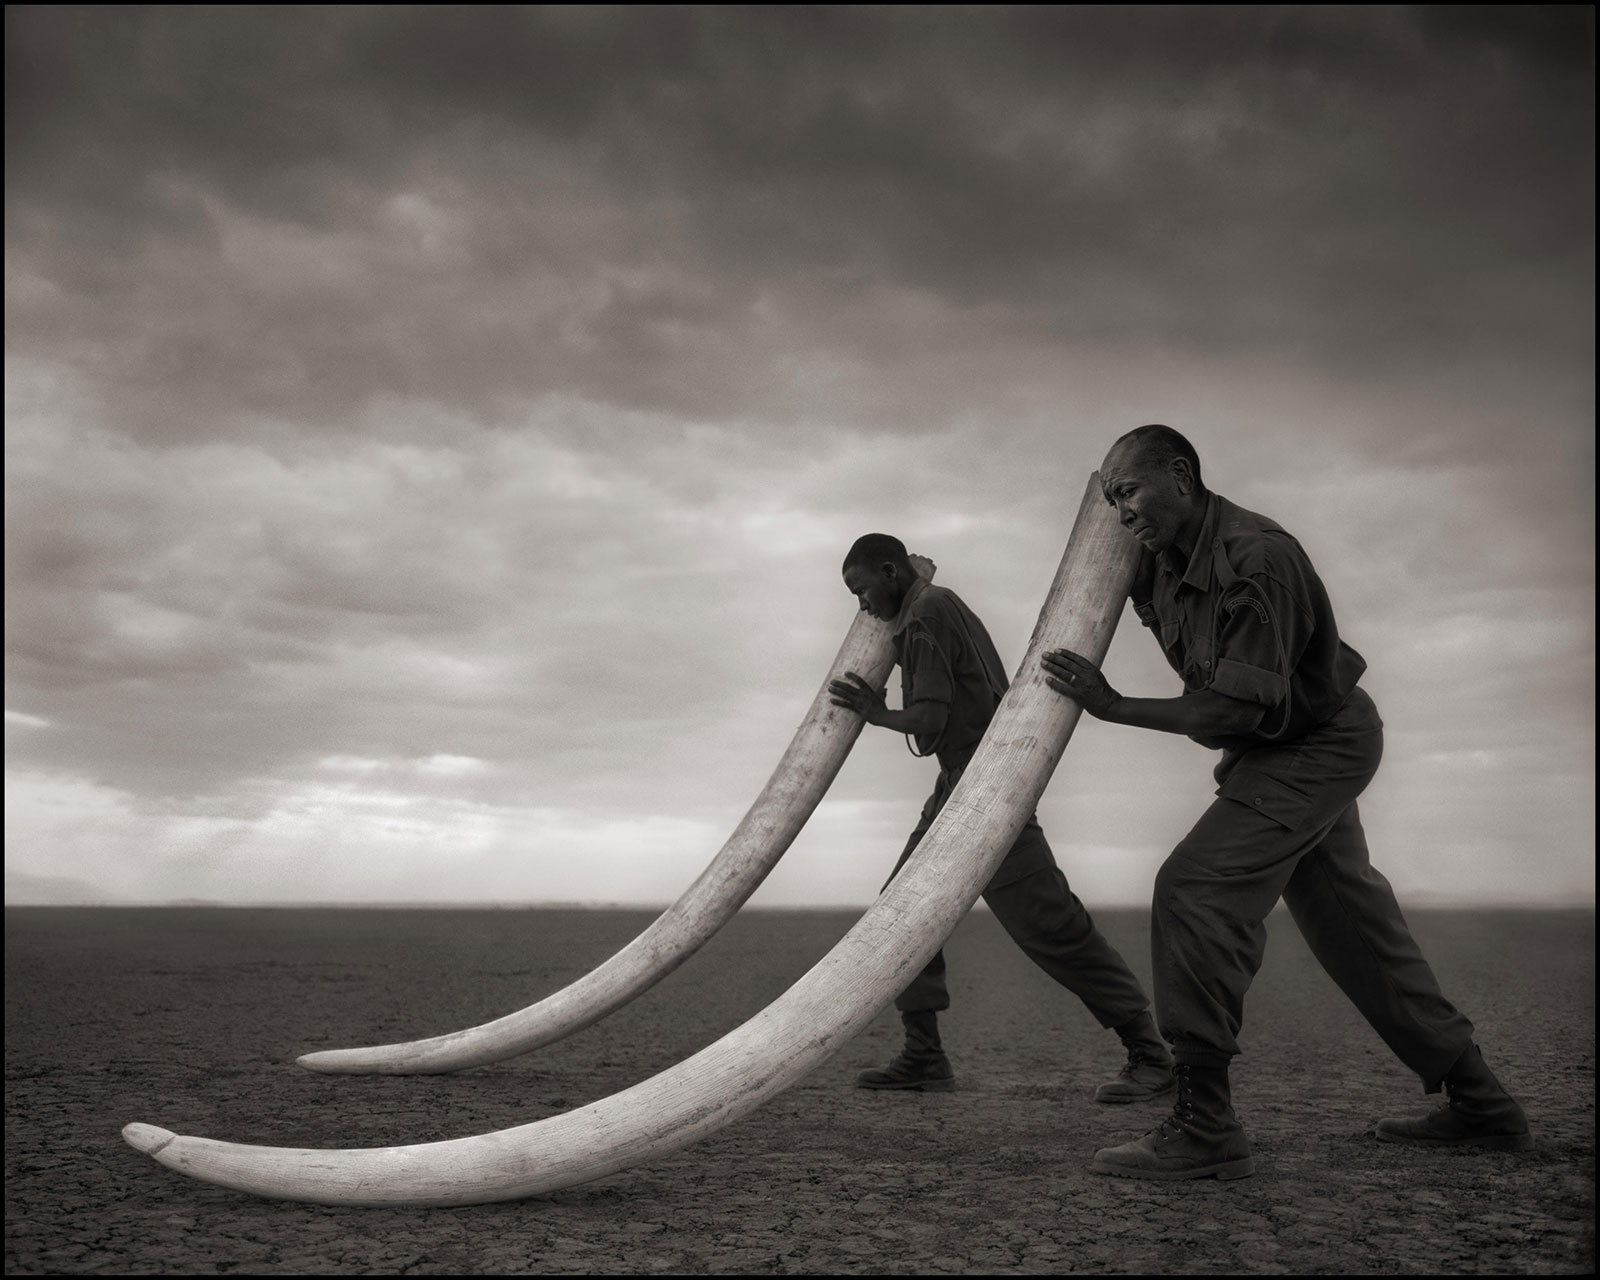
[1258,799]
[1206,663]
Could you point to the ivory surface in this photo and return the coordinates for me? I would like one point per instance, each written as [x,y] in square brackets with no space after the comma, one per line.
[817,1016]
[804,774]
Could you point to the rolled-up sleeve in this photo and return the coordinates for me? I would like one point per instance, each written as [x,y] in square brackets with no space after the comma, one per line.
[1259,633]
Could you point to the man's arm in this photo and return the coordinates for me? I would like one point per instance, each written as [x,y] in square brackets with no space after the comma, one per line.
[922,719]
[1206,714]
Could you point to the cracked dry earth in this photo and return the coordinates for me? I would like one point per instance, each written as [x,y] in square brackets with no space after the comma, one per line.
[191,1019]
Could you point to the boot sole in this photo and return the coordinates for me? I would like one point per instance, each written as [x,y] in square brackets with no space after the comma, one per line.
[920,1086]
[1490,1142]
[1228,1172]
[1123,1099]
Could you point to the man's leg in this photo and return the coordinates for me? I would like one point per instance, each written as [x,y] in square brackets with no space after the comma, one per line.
[1207,926]
[1208,936]
[921,1064]
[1275,804]
[1055,930]
[1347,912]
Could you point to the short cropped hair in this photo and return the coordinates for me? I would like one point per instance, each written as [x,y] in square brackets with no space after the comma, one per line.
[873,549]
[1159,445]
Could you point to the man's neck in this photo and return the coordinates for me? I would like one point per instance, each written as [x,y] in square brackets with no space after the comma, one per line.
[912,591]
[1189,535]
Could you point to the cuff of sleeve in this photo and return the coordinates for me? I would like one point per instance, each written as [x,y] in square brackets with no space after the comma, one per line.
[1146,612]
[1249,684]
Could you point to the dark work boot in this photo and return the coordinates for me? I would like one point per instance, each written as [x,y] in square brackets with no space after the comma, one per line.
[1202,1138]
[1148,1071]
[1478,1112]
[920,1065]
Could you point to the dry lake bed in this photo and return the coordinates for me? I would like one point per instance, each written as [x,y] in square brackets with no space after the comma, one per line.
[191,1018]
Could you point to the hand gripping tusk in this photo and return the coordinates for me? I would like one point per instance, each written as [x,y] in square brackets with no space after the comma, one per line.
[831,1003]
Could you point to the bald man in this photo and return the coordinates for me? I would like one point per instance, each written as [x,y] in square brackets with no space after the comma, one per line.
[1242,616]
[951,682]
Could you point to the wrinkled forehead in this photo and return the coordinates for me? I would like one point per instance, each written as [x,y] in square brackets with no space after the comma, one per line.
[1126,460]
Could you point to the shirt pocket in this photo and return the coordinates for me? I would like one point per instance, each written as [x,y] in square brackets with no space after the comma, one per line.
[1171,637]
[1199,664]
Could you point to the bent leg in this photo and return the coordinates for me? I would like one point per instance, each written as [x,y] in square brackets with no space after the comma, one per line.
[1207,931]
[928,992]
[1348,914]
[1054,929]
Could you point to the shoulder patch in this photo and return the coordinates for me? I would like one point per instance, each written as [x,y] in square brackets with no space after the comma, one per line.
[1239,602]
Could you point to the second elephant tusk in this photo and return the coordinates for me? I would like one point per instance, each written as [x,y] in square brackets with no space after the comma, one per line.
[810,1022]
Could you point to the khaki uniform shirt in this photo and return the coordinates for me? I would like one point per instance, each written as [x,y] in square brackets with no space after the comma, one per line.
[946,655]
[1247,616]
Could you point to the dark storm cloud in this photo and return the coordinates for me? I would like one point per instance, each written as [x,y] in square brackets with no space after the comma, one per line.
[1302,180]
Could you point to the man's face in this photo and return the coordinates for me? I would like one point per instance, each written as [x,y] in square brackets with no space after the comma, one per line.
[1153,502]
[879,590]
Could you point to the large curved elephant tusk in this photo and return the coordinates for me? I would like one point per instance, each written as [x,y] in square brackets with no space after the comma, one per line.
[804,774]
[838,997]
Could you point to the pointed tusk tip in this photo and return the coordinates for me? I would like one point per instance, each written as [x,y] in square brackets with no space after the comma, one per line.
[147,1138]
[327,1061]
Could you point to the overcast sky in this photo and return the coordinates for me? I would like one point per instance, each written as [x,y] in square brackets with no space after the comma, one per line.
[432,434]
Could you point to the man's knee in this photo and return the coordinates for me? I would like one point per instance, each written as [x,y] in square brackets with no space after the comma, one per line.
[1178,880]
[1040,905]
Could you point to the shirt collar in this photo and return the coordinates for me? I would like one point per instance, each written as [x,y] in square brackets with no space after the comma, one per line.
[1197,572]
[903,617]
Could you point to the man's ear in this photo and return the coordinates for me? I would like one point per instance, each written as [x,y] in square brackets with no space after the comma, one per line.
[1183,476]
[888,570]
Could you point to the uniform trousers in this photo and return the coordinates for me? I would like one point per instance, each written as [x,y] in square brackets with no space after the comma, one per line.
[1033,903]
[1285,824]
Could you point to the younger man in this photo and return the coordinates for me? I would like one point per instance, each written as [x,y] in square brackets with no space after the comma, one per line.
[951,682]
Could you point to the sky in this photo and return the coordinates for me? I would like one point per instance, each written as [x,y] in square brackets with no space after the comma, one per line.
[432,434]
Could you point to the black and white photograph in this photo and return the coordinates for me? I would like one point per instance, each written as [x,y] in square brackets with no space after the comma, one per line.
[820,639]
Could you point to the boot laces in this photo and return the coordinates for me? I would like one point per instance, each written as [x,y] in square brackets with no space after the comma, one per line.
[1170,1127]
[1181,1118]
[1452,1103]
[1131,1067]
[1454,1100]
[1183,1108]
[1140,1055]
